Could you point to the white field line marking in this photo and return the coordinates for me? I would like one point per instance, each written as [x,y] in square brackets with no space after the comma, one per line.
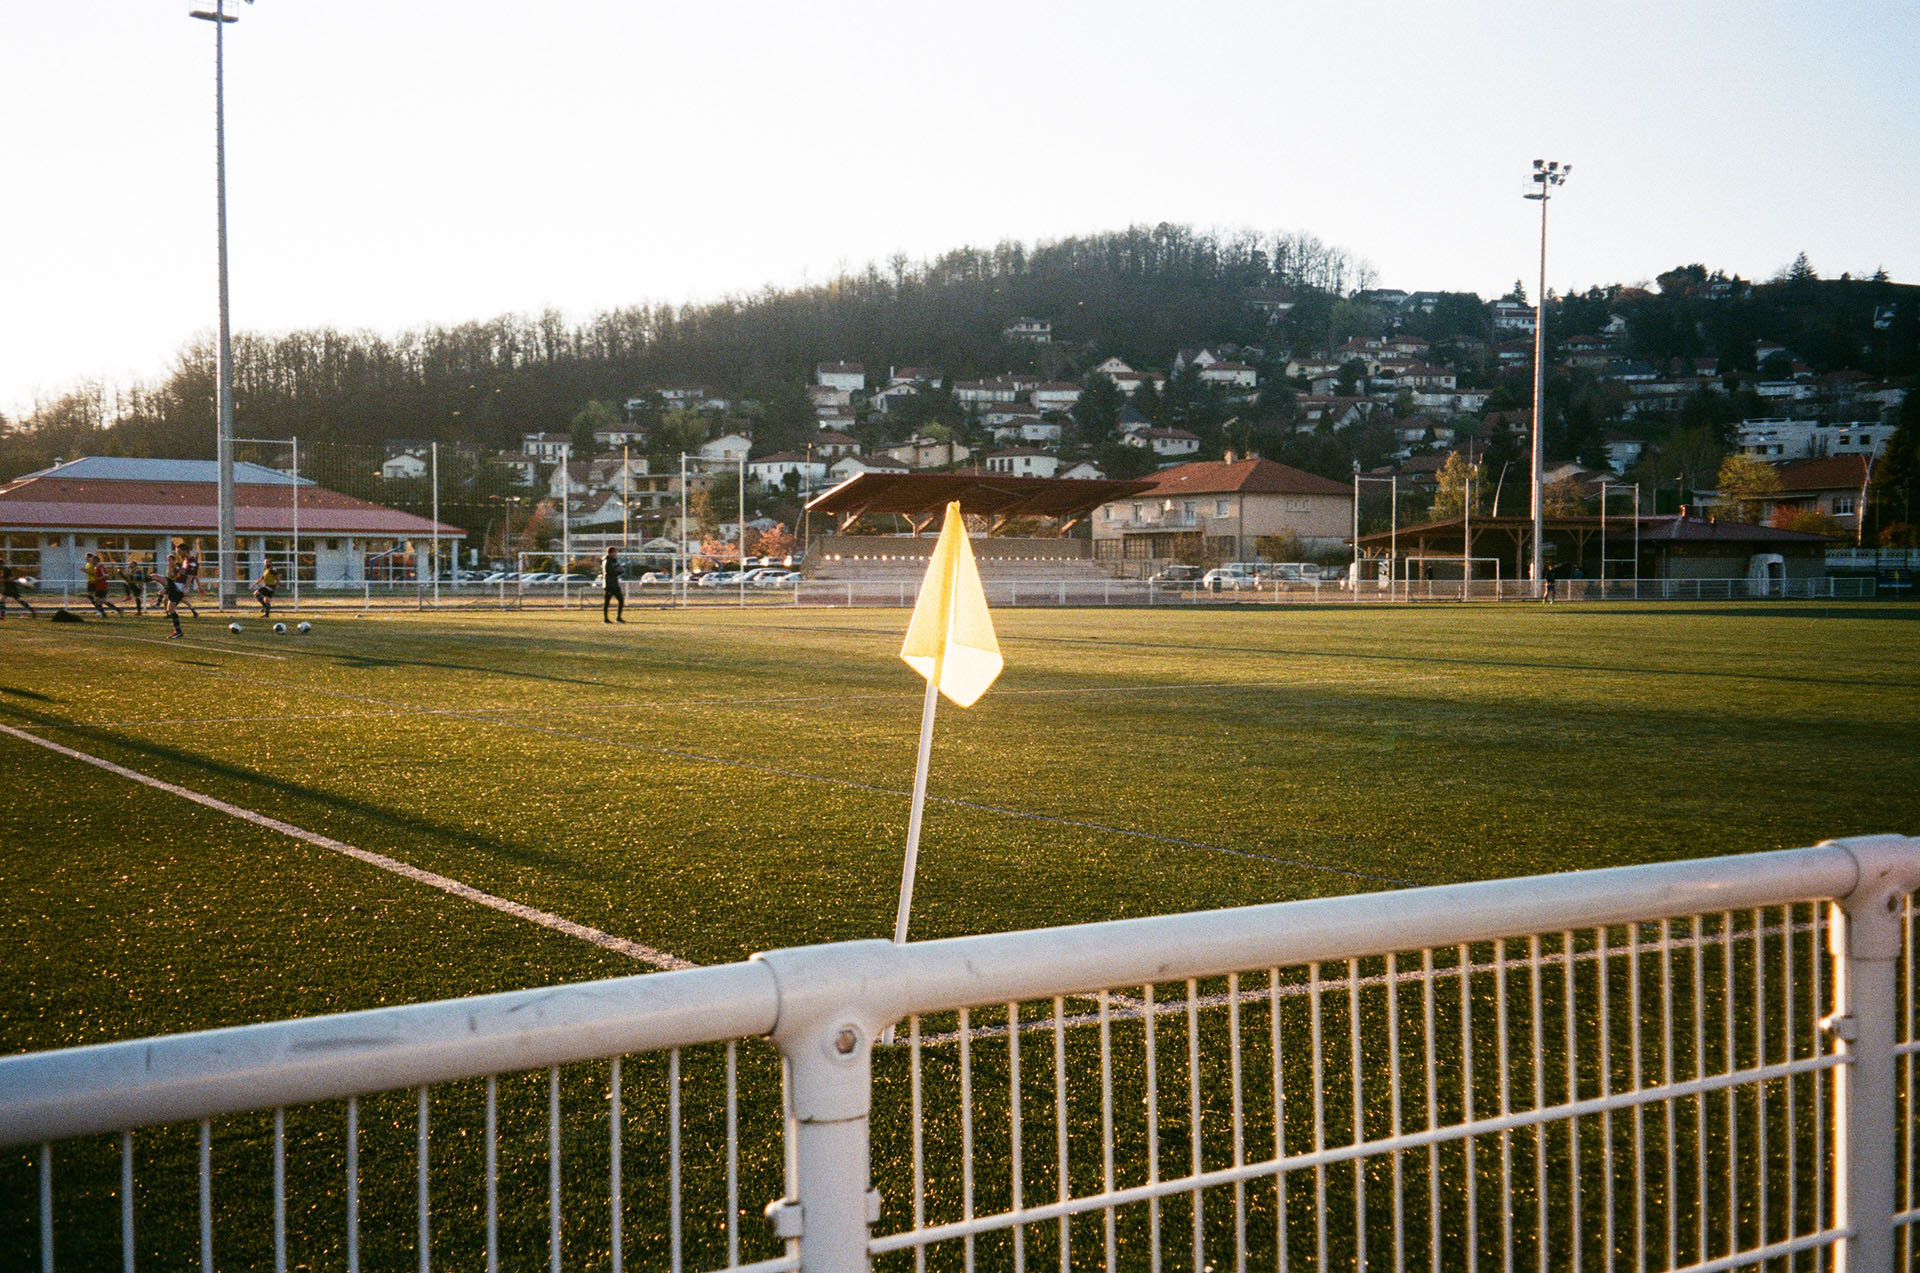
[185,644]
[605,940]
[679,753]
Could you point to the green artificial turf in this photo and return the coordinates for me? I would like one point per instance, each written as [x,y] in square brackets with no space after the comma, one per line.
[712,782]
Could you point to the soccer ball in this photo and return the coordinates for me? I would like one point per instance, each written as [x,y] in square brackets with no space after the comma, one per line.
[233,627]
[305,627]
[280,628]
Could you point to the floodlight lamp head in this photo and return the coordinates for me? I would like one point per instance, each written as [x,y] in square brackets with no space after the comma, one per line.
[1539,164]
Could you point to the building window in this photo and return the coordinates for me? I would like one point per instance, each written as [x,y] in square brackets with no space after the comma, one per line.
[1843,504]
[1220,508]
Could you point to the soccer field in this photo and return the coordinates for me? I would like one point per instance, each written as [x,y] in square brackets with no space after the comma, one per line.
[699,785]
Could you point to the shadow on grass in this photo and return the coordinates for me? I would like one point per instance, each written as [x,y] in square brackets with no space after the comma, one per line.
[35,695]
[406,823]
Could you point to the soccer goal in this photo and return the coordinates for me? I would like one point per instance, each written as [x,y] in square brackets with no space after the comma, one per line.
[1449,576]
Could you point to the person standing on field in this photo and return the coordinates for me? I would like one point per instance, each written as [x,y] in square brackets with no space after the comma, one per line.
[263,590]
[189,576]
[172,590]
[135,575]
[97,586]
[615,594]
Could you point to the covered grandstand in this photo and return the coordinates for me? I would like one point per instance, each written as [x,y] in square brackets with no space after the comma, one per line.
[912,504]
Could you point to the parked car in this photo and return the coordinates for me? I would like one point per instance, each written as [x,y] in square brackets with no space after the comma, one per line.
[1232,576]
[1174,575]
[773,577]
[719,579]
[575,580]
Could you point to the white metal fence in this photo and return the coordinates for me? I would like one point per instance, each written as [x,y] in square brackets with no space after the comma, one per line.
[1701,1065]
[1078,592]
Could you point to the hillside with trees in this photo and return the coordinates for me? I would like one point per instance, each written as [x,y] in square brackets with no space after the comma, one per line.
[1142,294]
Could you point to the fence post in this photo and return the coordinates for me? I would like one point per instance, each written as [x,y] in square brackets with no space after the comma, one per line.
[832,1009]
[1866,944]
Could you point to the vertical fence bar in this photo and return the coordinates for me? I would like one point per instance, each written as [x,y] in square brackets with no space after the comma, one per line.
[493,1174]
[1195,1156]
[1466,1104]
[616,1254]
[1359,1110]
[1535,1036]
[426,1245]
[1015,1179]
[1394,1114]
[1433,1114]
[966,1132]
[553,1167]
[733,1151]
[919,1139]
[1238,1116]
[1106,1122]
[353,1184]
[46,1207]
[1153,1129]
[1060,1127]
[1666,1080]
[1500,1028]
[1318,1053]
[1866,938]
[206,1195]
[676,1207]
[1570,986]
[279,1194]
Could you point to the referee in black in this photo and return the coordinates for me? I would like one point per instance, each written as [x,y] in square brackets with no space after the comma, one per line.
[615,596]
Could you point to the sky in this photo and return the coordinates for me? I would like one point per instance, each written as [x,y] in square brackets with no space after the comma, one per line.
[417,162]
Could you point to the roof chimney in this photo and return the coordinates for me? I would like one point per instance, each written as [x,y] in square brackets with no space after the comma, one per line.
[1230,457]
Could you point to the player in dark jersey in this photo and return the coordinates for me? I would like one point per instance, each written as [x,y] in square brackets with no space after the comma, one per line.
[615,594]
[10,591]
[171,590]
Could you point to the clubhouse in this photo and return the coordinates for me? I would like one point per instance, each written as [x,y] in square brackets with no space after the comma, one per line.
[135,509]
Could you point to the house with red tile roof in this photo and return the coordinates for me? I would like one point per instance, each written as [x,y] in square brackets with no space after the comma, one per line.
[1225,508]
[1833,484]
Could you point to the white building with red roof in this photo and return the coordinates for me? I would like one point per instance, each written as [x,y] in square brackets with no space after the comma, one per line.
[134,509]
[1228,506]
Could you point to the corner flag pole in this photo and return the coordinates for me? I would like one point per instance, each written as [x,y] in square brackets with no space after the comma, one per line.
[950,641]
[919,806]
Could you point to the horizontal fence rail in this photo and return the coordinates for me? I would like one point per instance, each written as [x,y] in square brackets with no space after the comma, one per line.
[1697,1065]
[1035,591]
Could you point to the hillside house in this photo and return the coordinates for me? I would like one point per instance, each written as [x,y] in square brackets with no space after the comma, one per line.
[549,448]
[407,466]
[929,453]
[1037,331]
[830,445]
[773,470]
[1512,316]
[1029,429]
[1233,375]
[1832,485]
[1023,461]
[1055,395]
[977,394]
[850,376]
[1166,443]
[853,465]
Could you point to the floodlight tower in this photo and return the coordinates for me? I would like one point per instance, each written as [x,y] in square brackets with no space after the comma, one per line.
[1547,174]
[223,452]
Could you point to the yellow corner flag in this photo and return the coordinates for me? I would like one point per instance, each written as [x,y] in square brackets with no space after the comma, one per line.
[950,639]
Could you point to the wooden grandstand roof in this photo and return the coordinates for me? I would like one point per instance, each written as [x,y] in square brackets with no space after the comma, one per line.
[922,497]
